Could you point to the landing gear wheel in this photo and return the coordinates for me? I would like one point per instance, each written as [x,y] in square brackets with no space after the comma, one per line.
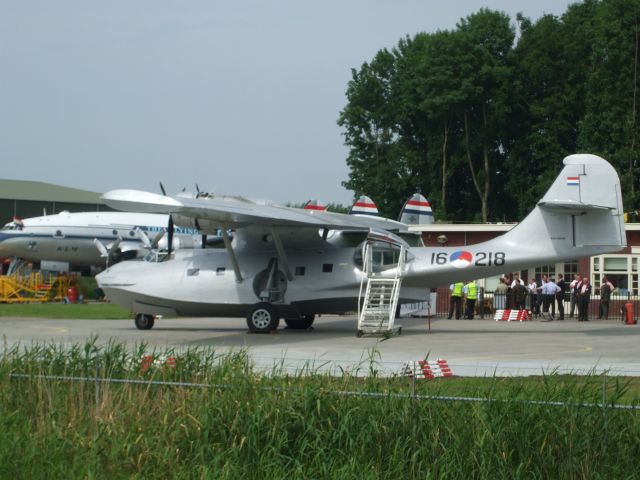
[263,318]
[144,322]
[359,333]
[303,322]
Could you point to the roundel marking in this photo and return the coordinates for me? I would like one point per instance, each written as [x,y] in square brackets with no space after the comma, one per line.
[461,259]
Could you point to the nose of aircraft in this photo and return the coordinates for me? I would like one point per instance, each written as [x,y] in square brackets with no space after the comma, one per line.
[120,274]
[105,277]
[3,245]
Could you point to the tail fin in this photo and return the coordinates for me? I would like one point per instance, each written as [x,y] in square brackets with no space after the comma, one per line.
[581,212]
[364,206]
[416,211]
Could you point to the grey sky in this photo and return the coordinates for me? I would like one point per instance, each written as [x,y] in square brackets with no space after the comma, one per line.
[240,96]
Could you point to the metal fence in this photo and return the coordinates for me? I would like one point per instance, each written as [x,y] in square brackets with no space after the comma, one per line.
[410,394]
[488,302]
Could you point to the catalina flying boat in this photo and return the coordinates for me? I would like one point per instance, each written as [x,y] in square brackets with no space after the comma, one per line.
[294,263]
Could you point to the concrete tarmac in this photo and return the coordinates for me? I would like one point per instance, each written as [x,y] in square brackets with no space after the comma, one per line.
[471,347]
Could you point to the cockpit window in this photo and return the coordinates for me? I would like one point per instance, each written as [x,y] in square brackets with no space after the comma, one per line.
[12,226]
[383,256]
[156,256]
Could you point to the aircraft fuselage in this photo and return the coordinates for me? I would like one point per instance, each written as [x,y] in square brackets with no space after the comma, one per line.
[69,237]
[203,283]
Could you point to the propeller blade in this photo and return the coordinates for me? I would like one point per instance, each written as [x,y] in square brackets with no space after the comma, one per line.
[204,241]
[170,235]
[114,246]
[157,238]
[162,189]
[104,252]
[142,235]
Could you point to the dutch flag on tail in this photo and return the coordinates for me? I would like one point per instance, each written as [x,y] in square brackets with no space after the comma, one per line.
[573,180]
[364,206]
[416,211]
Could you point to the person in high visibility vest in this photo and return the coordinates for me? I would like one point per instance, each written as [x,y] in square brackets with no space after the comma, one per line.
[471,291]
[456,300]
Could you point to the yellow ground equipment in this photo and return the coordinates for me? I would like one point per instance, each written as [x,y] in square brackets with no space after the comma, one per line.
[35,287]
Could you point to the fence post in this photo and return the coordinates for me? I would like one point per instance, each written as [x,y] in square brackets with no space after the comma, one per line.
[97,381]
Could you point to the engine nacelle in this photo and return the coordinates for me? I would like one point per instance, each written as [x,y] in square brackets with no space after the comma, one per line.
[180,242]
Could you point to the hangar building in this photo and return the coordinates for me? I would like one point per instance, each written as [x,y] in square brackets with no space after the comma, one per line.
[24,199]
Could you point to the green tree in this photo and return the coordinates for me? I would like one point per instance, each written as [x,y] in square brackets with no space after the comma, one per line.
[610,125]
[377,166]
[488,36]
[432,85]
[481,123]
[552,61]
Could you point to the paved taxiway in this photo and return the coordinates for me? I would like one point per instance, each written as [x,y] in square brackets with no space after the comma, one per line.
[472,347]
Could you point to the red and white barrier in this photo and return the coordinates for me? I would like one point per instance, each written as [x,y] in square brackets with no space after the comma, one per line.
[149,361]
[428,369]
[512,315]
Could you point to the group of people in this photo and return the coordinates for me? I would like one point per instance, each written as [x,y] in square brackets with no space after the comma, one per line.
[512,292]
[470,293]
[581,293]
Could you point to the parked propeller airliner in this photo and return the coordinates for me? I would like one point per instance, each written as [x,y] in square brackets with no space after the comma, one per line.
[89,239]
[294,263]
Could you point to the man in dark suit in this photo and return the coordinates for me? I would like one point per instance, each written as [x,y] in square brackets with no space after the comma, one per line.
[560,295]
[584,295]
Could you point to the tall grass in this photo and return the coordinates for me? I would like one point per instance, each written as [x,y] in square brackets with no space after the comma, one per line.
[250,425]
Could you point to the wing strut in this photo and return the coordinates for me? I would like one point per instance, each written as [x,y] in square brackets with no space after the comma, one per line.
[232,255]
[282,256]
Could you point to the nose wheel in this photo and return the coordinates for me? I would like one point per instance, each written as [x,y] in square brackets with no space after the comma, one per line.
[263,318]
[144,322]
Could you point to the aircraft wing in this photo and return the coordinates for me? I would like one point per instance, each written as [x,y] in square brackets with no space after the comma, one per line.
[237,212]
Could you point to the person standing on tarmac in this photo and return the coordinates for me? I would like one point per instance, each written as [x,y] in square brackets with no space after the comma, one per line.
[584,294]
[471,292]
[500,295]
[562,285]
[455,302]
[519,296]
[548,290]
[533,294]
[573,294]
[605,295]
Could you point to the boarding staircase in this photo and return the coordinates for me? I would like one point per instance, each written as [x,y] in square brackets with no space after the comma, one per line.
[377,307]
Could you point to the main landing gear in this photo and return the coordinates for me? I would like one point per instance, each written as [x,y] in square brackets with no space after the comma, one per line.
[263,317]
[144,322]
[303,322]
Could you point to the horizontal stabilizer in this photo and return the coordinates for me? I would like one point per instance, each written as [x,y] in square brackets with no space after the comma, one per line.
[572,207]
